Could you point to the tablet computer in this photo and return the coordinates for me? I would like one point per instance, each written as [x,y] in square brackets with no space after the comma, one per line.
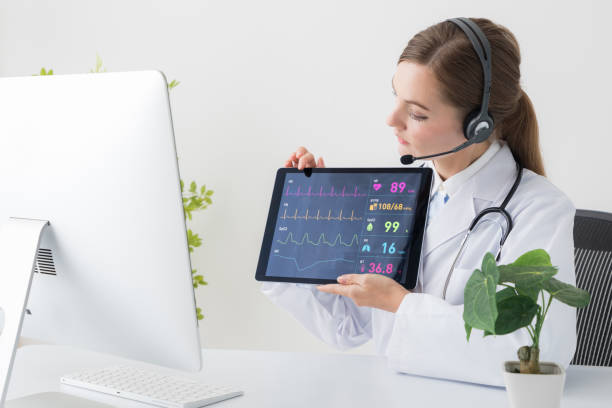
[326,222]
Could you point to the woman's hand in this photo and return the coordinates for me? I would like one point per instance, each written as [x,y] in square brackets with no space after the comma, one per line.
[369,289]
[302,159]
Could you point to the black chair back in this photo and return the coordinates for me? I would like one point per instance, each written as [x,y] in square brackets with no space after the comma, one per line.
[593,261]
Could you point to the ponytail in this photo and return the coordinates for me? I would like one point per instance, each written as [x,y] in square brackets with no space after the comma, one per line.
[520,131]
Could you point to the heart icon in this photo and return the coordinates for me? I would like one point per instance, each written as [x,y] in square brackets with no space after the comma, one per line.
[377,186]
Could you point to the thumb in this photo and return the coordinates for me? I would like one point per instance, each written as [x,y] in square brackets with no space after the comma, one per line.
[320,162]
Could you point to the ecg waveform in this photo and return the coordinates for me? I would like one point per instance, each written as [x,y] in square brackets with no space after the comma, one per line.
[322,239]
[316,263]
[331,193]
[319,217]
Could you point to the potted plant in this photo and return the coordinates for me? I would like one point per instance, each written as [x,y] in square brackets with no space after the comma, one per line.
[515,306]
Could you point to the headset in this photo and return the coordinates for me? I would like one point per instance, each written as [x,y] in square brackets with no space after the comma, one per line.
[478,124]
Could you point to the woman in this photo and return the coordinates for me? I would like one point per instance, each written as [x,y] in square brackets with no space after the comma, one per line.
[439,79]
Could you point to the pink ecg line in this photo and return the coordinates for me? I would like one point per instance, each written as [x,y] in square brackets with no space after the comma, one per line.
[322,194]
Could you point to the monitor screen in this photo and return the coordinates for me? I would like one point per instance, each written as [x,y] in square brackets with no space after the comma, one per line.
[340,221]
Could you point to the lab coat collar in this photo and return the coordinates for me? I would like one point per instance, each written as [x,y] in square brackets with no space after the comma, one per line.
[496,178]
[491,183]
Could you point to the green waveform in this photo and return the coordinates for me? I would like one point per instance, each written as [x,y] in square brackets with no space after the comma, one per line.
[320,241]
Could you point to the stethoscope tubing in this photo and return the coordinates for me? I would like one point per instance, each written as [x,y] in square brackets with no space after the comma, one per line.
[500,210]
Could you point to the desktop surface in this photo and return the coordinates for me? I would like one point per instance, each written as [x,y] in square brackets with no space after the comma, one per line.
[300,379]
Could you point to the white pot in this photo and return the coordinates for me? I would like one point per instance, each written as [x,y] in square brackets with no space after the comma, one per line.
[534,390]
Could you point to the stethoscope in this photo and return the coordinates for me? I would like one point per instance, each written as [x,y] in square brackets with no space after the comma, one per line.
[501,210]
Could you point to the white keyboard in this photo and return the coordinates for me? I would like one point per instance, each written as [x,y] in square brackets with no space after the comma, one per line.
[150,387]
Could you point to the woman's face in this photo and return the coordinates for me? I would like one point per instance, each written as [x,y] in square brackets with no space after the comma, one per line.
[422,121]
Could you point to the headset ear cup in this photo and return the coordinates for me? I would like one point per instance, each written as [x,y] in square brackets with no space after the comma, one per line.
[466,123]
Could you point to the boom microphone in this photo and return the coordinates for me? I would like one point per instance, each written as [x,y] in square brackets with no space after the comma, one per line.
[409,159]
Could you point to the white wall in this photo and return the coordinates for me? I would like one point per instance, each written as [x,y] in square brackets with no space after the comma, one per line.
[259,78]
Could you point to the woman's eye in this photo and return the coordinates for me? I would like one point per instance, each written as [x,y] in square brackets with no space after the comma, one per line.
[417,117]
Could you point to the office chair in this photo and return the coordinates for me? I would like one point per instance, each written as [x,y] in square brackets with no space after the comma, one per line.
[593,260]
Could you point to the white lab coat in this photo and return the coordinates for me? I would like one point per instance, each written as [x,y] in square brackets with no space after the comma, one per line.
[426,336]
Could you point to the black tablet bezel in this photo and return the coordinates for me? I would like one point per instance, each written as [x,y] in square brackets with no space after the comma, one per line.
[414,257]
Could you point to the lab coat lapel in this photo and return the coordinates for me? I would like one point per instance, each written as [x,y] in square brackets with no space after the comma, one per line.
[491,184]
[452,219]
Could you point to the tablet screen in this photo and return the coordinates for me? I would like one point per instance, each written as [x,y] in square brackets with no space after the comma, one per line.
[339,221]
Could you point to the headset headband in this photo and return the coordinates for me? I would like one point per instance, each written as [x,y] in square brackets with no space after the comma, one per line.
[483,50]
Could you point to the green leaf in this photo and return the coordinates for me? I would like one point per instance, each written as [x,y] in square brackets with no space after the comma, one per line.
[210,192]
[499,297]
[514,313]
[43,71]
[531,292]
[208,200]
[173,84]
[504,294]
[525,275]
[528,272]
[537,257]
[192,187]
[468,331]
[182,185]
[480,308]
[566,293]
[98,67]
[193,239]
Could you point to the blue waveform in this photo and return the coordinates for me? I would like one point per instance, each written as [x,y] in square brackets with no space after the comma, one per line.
[318,262]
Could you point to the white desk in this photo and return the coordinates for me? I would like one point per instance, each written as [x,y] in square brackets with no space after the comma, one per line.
[282,379]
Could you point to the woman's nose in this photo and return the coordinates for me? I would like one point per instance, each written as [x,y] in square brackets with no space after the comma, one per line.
[393,119]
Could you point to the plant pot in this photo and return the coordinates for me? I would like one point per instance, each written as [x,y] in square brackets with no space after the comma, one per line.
[534,390]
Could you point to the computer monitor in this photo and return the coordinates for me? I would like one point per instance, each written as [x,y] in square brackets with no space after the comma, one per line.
[94,154]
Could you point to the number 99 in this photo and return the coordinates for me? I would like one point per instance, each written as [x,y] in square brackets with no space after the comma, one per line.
[389,225]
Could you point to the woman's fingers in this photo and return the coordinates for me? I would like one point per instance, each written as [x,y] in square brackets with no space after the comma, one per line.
[300,151]
[302,159]
[293,160]
[352,279]
[335,288]
[307,160]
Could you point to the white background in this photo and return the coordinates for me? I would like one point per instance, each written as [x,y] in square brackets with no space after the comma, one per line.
[260,78]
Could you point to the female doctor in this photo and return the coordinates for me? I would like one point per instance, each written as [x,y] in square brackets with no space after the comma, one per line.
[438,81]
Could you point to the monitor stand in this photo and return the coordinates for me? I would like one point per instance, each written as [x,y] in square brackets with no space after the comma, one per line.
[19,241]
[53,400]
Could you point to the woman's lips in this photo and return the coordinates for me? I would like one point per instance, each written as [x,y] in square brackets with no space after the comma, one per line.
[402,141]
